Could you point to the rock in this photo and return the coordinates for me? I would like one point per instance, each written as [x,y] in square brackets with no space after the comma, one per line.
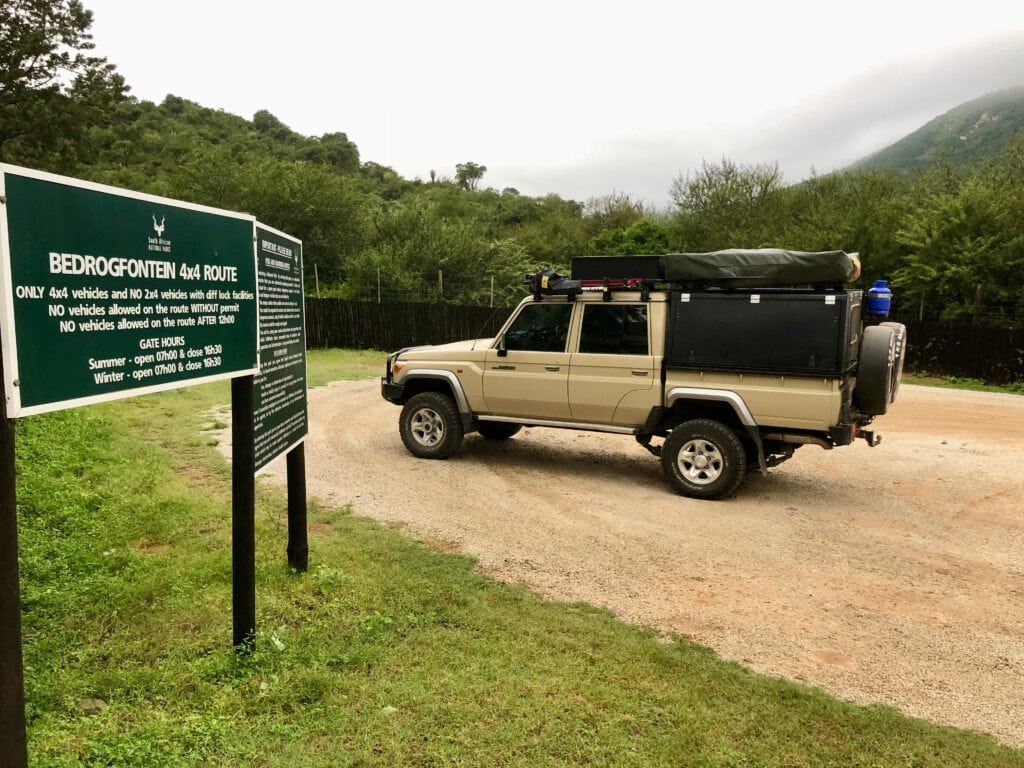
[91,707]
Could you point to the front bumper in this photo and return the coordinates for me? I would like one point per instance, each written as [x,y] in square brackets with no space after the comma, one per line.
[389,390]
[394,393]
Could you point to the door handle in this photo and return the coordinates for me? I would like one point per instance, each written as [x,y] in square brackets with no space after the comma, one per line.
[639,373]
[504,367]
[550,367]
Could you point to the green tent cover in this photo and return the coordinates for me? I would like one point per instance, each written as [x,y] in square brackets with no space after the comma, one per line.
[762,267]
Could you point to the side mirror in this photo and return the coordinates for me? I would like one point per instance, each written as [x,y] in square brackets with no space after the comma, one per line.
[502,350]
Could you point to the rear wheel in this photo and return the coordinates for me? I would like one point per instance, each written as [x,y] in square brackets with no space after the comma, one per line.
[704,459]
[497,430]
[431,426]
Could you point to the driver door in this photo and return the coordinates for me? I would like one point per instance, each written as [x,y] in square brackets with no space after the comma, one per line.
[532,379]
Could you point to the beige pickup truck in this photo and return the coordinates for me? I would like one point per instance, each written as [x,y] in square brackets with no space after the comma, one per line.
[725,380]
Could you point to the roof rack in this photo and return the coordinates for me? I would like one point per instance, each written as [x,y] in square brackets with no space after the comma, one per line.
[549,283]
[740,269]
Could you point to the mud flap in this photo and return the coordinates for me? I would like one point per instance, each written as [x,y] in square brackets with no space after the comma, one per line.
[762,465]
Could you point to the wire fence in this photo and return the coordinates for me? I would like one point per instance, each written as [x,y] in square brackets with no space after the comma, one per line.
[1006,315]
[392,312]
[503,290]
[385,325]
[486,291]
[992,354]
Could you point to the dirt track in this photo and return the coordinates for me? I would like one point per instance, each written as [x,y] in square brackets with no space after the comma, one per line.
[891,575]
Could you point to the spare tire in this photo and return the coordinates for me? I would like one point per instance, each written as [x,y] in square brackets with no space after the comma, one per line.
[875,373]
[901,353]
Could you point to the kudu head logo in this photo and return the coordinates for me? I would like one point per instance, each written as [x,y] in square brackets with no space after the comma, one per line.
[159,228]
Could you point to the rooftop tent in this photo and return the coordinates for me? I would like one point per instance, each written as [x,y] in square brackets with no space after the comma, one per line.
[733,268]
[762,267]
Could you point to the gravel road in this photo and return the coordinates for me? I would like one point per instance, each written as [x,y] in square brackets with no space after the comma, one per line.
[893,574]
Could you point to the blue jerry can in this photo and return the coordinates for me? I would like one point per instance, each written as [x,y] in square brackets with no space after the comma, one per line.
[879,299]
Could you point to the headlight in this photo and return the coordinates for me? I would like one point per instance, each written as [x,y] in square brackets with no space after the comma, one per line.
[396,368]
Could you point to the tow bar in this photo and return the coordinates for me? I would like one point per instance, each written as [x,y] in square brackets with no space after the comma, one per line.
[872,438]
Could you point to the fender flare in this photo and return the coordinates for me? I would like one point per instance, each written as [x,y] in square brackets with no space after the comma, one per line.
[734,400]
[438,374]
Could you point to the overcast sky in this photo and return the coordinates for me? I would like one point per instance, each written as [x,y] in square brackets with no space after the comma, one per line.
[576,98]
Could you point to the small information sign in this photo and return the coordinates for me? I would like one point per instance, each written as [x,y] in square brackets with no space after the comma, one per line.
[108,294]
[280,396]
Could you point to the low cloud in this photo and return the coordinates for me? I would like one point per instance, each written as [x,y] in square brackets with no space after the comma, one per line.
[828,131]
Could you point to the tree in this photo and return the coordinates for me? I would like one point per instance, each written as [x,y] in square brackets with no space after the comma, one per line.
[408,242]
[553,233]
[962,250]
[613,211]
[728,205]
[267,123]
[852,211]
[335,150]
[322,208]
[643,236]
[384,180]
[51,89]
[468,175]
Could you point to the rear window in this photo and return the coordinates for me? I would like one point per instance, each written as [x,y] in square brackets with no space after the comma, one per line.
[614,329]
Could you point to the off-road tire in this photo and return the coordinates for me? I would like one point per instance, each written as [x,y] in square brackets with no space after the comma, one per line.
[876,371]
[901,354]
[704,459]
[497,430]
[431,426]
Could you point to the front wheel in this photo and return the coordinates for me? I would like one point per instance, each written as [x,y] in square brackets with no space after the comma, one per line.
[431,426]
[704,459]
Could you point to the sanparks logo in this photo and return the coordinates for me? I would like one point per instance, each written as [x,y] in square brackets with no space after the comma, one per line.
[158,244]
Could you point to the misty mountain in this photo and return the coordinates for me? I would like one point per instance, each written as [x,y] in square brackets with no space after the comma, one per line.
[976,129]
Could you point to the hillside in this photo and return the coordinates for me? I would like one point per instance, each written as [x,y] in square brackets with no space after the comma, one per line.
[976,129]
[143,141]
[371,234]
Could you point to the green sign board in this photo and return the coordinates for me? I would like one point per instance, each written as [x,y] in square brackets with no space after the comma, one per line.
[107,293]
[280,396]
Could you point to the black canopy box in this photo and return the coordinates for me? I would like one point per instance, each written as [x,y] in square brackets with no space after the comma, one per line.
[788,332]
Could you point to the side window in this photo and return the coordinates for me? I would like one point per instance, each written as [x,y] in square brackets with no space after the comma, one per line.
[541,327]
[614,329]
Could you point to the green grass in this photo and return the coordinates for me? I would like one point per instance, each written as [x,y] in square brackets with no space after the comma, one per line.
[324,365]
[385,654]
[960,382]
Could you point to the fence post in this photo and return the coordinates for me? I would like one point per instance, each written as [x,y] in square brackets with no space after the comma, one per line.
[440,286]
[316,274]
[492,291]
